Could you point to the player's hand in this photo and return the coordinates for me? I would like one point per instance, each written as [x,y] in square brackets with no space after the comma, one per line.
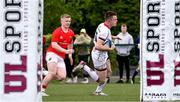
[69,51]
[112,47]
[119,38]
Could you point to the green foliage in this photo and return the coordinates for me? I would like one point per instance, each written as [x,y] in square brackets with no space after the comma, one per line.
[48,38]
[89,13]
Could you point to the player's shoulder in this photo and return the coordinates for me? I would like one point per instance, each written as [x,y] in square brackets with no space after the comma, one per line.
[103,27]
[71,31]
[57,30]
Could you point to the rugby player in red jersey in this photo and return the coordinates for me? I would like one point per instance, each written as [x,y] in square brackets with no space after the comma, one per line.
[61,44]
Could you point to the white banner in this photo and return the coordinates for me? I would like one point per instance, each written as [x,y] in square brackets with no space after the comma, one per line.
[160,50]
[21,47]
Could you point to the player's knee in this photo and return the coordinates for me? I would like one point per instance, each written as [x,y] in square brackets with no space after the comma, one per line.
[102,82]
[109,72]
[52,73]
[61,78]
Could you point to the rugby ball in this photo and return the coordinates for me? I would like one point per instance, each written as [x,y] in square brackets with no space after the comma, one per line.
[108,43]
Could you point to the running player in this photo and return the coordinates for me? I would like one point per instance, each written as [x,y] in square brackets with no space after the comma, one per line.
[100,52]
[61,44]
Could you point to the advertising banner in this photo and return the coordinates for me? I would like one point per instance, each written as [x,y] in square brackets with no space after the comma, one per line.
[21,47]
[160,50]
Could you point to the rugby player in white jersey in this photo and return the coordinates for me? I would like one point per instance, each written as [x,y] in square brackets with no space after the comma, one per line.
[100,52]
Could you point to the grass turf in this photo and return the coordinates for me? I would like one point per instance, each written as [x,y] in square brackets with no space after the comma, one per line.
[82,92]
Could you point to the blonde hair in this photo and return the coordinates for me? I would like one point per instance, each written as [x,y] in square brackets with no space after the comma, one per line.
[65,16]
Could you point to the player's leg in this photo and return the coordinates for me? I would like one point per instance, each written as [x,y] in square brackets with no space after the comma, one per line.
[61,70]
[99,76]
[134,75]
[52,64]
[102,82]
[84,58]
[52,67]
[102,73]
[90,71]
[109,71]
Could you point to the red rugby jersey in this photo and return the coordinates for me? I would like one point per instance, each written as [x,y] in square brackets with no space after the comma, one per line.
[63,39]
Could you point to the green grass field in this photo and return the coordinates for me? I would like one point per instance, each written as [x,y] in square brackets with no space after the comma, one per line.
[82,92]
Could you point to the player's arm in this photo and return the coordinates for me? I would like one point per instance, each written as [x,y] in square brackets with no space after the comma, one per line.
[55,41]
[116,37]
[60,49]
[99,46]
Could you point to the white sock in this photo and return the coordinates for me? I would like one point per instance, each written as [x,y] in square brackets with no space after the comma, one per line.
[91,73]
[101,86]
[43,89]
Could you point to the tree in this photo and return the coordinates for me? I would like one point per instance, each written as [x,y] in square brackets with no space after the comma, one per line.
[89,13]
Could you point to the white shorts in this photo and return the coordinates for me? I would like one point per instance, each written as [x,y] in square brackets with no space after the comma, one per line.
[52,57]
[99,62]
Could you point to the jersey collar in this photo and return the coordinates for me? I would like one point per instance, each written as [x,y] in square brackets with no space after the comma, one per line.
[106,24]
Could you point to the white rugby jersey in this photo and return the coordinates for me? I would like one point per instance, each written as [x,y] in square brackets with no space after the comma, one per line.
[103,33]
[125,39]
